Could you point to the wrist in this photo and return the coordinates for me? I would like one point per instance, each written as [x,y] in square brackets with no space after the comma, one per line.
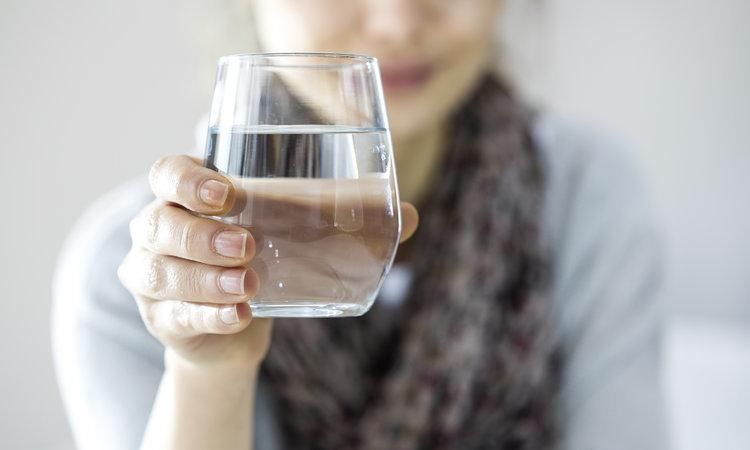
[201,406]
[223,372]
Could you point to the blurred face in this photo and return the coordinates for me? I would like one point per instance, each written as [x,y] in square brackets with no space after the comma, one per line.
[430,51]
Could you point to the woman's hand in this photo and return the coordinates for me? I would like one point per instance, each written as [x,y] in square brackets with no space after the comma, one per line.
[189,274]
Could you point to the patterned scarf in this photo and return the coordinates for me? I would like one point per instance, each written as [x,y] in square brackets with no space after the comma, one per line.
[468,361]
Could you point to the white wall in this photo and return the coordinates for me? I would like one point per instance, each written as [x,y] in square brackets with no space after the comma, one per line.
[672,78]
[91,91]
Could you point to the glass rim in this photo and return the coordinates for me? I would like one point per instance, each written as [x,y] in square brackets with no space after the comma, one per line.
[260,58]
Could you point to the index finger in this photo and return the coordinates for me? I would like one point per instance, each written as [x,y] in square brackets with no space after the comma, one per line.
[183,180]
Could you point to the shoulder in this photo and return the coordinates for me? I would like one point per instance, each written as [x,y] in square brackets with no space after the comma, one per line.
[604,238]
[86,290]
[107,364]
[592,181]
[607,270]
[102,228]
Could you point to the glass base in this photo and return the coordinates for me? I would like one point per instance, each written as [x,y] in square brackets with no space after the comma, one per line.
[307,309]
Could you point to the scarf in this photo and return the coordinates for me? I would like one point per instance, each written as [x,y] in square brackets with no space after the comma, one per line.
[468,361]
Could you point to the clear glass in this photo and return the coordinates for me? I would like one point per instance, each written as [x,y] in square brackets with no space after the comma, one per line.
[304,139]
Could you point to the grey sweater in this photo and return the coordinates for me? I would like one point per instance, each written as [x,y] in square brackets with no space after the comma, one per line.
[607,259]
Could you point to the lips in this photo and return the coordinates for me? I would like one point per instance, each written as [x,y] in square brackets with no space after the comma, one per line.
[400,77]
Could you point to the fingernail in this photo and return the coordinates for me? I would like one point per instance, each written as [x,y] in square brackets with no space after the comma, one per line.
[214,193]
[231,244]
[233,281]
[228,315]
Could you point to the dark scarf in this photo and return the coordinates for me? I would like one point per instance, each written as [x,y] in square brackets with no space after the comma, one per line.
[468,361]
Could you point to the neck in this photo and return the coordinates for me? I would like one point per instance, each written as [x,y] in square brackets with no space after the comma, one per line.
[417,158]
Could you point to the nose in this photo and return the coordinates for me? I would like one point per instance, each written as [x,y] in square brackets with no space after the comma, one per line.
[395,22]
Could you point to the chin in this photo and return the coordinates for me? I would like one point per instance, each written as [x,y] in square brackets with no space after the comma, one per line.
[409,115]
[413,111]
[404,125]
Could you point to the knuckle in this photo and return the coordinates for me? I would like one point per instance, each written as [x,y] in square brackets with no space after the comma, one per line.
[187,184]
[157,169]
[154,276]
[193,281]
[181,315]
[197,321]
[139,224]
[152,219]
[189,235]
[148,314]
[169,175]
[207,317]
[124,270]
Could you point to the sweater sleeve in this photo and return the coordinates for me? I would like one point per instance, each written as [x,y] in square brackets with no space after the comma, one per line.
[108,366]
[607,259]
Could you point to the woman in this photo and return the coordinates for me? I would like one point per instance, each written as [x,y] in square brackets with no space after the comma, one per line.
[523,313]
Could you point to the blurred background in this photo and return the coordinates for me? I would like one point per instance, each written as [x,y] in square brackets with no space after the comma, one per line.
[92,91]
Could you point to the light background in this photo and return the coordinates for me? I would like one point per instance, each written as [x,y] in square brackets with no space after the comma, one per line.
[92,91]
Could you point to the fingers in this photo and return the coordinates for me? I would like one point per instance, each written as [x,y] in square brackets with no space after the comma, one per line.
[163,277]
[182,180]
[170,230]
[409,220]
[185,319]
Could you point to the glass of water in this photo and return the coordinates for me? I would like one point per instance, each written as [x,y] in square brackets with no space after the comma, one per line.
[304,139]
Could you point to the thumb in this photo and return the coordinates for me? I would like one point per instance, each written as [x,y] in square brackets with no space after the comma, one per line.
[409,220]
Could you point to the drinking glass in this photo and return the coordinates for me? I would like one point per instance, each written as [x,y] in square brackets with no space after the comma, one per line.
[304,139]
